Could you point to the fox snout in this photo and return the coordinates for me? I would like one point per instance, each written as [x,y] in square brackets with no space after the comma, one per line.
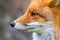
[17,25]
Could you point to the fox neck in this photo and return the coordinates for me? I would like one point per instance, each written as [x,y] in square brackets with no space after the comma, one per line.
[46,35]
[42,37]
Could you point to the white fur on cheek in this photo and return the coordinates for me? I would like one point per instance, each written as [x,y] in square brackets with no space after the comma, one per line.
[29,25]
[35,23]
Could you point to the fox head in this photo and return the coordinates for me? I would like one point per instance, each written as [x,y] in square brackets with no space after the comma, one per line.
[39,15]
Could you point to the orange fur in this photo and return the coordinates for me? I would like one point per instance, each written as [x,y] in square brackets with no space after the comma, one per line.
[46,10]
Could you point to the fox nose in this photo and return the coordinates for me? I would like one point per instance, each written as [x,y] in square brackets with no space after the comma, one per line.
[12,24]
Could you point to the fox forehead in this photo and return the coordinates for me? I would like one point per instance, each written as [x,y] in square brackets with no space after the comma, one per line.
[43,2]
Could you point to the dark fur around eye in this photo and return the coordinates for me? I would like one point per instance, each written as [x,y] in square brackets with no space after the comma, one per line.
[33,14]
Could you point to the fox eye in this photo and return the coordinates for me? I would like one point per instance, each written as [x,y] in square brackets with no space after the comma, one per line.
[33,14]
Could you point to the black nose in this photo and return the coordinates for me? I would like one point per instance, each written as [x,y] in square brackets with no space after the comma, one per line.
[12,24]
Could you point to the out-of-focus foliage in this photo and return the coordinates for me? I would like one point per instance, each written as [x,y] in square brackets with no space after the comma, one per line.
[9,11]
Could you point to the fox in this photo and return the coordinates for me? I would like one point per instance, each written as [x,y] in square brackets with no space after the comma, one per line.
[42,18]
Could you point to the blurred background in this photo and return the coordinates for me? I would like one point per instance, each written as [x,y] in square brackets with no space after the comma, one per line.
[9,11]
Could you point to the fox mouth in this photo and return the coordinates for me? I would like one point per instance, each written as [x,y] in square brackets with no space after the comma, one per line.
[30,27]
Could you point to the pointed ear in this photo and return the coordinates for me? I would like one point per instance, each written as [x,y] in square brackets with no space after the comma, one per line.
[51,3]
[55,3]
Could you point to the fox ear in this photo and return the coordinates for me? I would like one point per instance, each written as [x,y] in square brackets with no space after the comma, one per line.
[55,3]
[51,3]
